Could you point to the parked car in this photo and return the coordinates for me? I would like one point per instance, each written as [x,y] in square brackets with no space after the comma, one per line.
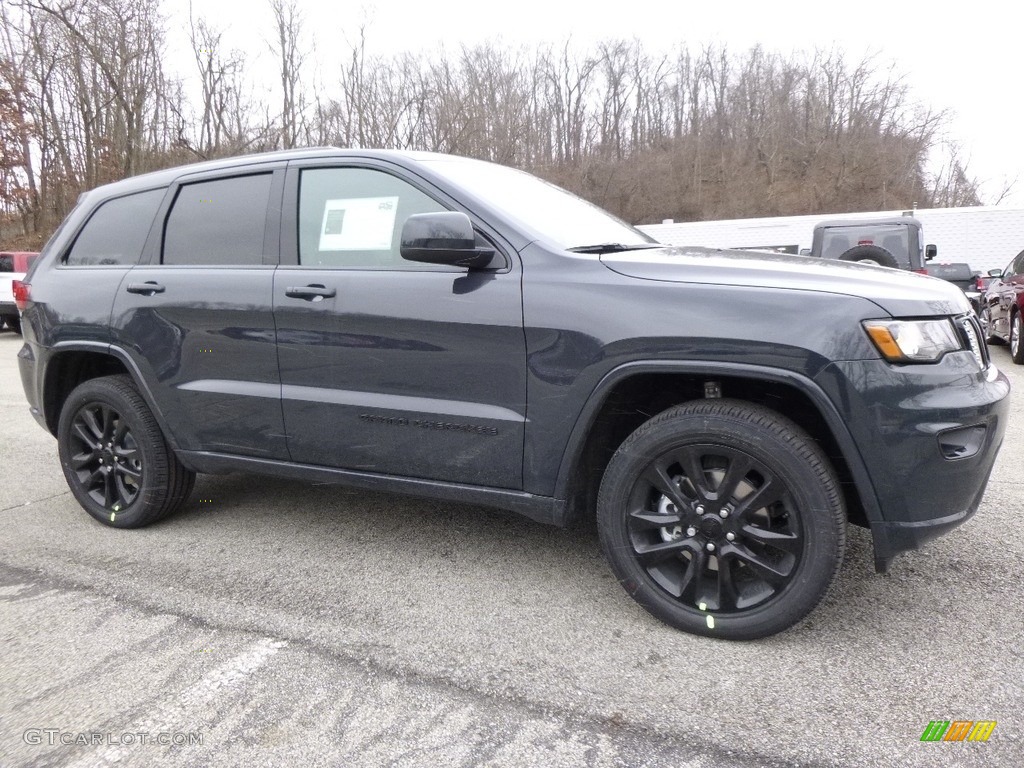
[13,266]
[962,276]
[1003,306]
[894,242]
[447,327]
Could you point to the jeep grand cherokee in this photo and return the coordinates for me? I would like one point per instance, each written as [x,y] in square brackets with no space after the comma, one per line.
[447,327]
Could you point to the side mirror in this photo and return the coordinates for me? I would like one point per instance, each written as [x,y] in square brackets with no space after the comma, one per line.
[805,251]
[443,238]
[930,252]
[995,273]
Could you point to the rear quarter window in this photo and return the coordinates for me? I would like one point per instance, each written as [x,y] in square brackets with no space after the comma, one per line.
[116,231]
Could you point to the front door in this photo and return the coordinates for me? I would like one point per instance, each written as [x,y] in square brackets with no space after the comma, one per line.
[390,366]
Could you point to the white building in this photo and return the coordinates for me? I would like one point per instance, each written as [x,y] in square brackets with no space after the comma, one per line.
[986,237]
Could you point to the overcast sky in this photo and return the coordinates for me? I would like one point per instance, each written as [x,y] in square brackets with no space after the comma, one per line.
[964,57]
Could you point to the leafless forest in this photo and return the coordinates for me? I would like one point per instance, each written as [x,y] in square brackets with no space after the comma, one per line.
[88,96]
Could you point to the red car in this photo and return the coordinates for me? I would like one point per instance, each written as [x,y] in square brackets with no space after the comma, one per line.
[1003,307]
[13,266]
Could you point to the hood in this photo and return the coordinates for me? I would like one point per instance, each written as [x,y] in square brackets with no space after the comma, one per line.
[900,293]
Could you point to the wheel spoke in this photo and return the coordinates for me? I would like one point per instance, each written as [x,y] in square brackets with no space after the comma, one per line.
[787,542]
[728,596]
[108,490]
[770,491]
[108,423]
[690,460]
[657,475]
[124,495]
[120,432]
[768,571]
[652,554]
[642,520]
[87,420]
[693,577]
[128,454]
[739,467]
[81,460]
[126,470]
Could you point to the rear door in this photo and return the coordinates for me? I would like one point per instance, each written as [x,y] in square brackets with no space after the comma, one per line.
[198,320]
[390,366]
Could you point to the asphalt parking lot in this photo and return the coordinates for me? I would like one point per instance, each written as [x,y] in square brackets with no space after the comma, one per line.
[277,622]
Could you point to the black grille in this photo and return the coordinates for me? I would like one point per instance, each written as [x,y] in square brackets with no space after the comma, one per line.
[970,334]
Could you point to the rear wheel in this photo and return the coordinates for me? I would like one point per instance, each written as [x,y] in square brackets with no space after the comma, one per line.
[116,460]
[722,518]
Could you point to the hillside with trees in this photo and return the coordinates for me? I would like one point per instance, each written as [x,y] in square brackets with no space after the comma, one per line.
[88,96]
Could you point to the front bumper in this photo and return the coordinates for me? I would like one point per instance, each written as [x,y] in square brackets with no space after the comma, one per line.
[908,423]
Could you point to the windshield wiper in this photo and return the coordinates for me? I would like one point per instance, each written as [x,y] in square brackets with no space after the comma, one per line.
[613,247]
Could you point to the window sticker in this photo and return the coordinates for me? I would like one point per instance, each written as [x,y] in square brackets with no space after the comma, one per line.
[358,224]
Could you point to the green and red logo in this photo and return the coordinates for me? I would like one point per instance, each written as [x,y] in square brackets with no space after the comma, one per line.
[958,730]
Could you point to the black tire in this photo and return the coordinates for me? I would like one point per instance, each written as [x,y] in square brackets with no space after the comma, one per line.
[870,254]
[1016,343]
[104,423]
[656,523]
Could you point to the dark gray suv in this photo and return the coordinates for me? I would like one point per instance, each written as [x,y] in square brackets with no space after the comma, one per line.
[446,327]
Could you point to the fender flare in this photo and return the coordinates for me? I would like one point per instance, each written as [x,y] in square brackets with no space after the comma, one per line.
[122,356]
[805,385]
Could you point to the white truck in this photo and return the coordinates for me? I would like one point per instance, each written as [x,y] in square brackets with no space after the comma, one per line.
[986,237]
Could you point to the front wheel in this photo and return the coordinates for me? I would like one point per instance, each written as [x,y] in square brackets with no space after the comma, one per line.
[722,518]
[116,460]
[1016,348]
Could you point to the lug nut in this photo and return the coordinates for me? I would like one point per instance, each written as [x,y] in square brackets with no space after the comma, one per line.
[730,537]
[724,513]
[691,532]
[699,510]
[710,547]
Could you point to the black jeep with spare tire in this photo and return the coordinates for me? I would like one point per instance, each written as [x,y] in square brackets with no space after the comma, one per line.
[450,328]
[895,242]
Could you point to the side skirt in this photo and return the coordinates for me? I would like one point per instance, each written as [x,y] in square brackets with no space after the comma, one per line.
[542,509]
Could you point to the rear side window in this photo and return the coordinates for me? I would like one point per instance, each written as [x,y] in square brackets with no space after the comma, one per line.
[219,222]
[6,262]
[116,231]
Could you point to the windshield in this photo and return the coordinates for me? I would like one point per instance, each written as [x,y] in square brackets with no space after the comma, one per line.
[558,216]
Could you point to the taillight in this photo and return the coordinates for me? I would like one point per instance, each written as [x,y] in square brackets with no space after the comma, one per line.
[22,294]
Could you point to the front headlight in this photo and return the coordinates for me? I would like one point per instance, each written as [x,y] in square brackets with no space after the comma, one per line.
[913,341]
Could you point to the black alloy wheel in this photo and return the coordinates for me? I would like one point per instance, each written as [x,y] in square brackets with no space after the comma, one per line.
[105,456]
[722,518]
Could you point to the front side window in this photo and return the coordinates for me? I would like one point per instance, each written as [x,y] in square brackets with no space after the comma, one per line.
[352,218]
[219,222]
[116,232]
